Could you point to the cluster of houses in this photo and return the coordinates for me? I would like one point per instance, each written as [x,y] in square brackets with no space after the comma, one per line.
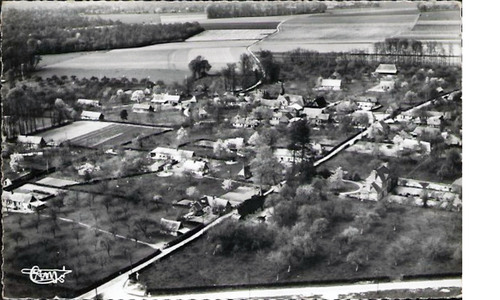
[183,159]
[206,208]
[382,183]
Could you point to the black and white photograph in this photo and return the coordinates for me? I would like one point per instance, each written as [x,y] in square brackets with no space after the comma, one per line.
[232,149]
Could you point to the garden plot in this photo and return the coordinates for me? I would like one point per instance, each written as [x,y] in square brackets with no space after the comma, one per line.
[98,134]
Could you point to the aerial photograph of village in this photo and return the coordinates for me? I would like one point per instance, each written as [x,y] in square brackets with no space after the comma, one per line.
[231,149]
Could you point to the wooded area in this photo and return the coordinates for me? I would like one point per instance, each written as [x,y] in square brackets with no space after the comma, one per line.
[259,9]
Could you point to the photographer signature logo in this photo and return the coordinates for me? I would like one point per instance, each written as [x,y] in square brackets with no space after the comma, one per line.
[46,276]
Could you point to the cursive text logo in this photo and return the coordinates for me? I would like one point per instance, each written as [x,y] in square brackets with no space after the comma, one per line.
[46,276]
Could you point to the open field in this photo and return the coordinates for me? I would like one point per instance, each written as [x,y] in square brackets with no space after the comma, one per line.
[167,62]
[97,134]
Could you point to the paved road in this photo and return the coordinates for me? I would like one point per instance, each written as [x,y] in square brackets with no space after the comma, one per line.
[324,291]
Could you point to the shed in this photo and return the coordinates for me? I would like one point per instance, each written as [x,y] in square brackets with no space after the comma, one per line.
[92,115]
[30,140]
[170,227]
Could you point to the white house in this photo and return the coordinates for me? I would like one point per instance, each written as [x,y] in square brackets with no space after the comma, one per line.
[15,201]
[312,112]
[170,153]
[196,167]
[285,156]
[91,115]
[166,99]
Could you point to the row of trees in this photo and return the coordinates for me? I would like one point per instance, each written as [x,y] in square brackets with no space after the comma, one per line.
[27,34]
[258,9]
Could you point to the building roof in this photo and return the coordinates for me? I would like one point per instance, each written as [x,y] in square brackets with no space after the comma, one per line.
[312,112]
[173,152]
[87,101]
[142,106]
[30,139]
[296,106]
[170,225]
[371,99]
[240,194]
[386,69]
[195,166]
[331,82]
[18,197]
[91,114]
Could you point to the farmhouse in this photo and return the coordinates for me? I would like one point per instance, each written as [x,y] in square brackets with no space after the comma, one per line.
[329,84]
[142,108]
[239,195]
[424,130]
[285,156]
[198,167]
[378,184]
[31,141]
[386,69]
[235,143]
[312,112]
[88,102]
[91,115]
[166,99]
[274,103]
[280,118]
[170,153]
[13,201]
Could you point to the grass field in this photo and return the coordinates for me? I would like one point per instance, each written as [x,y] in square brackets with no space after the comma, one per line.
[97,134]
[231,34]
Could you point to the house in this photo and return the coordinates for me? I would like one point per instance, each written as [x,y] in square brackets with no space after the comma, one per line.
[319,102]
[274,103]
[157,166]
[142,108]
[218,205]
[285,156]
[434,121]
[296,107]
[329,84]
[378,129]
[31,141]
[196,167]
[410,144]
[451,139]
[235,143]
[23,202]
[170,153]
[386,69]
[360,114]
[202,113]
[170,227]
[91,115]
[320,119]
[165,99]
[280,118]
[405,116]
[291,99]
[378,184]
[239,195]
[88,102]
[312,112]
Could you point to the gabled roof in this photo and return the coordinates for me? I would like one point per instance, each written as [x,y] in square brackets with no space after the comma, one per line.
[386,69]
[173,152]
[91,114]
[18,197]
[312,112]
[239,194]
[169,225]
[30,139]
[192,165]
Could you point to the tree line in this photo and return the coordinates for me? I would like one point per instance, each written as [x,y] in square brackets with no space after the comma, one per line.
[259,9]
[27,34]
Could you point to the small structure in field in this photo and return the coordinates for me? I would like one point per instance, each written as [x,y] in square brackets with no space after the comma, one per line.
[170,227]
[92,115]
[378,184]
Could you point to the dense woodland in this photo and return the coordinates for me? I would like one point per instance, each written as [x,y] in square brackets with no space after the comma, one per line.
[27,34]
[259,9]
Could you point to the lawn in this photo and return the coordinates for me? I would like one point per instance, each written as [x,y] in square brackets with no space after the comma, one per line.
[197,265]
[47,243]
